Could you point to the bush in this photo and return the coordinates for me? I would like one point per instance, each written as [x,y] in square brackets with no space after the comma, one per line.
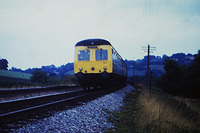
[70,80]
[39,77]
[156,112]
[180,79]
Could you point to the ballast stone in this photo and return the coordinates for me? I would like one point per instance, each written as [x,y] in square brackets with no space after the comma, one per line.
[89,117]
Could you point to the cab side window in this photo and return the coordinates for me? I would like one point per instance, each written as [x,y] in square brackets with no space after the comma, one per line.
[84,55]
[101,54]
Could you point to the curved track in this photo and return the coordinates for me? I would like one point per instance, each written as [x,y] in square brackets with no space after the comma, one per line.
[16,110]
[12,110]
[8,94]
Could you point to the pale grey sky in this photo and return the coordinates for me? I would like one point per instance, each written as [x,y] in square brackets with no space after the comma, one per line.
[44,32]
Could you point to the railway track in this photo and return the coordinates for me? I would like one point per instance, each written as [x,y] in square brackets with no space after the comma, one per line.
[25,109]
[12,94]
[12,110]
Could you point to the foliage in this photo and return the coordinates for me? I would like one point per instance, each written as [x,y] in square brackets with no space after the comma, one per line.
[173,70]
[39,77]
[69,80]
[126,119]
[171,79]
[161,112]
[14,69]
[49,69]
[10,79]
[47,75]
[194,69]
[181,79]
[157,112]
[54,81]
[51,79]
[3,64]
[54,71]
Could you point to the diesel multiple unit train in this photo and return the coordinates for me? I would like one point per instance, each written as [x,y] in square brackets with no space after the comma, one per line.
[97,63]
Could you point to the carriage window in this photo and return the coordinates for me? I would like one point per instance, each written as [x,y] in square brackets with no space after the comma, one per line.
[83,55]
[101,54]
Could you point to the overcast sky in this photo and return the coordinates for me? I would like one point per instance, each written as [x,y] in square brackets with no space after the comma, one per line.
[35,33]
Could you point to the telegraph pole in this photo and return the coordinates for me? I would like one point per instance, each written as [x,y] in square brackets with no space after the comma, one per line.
[148,49]
[147,78]
[150,81]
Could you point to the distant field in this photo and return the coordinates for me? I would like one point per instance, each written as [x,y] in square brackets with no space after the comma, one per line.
[17,75]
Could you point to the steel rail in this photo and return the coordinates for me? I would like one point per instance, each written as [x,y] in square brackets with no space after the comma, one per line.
[10,119]
[6,117]
[11,110]
[4,92]
[12,103]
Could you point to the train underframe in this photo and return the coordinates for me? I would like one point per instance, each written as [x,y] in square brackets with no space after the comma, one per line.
[103,80]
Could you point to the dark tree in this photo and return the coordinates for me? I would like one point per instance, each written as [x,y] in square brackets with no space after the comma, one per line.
[194,68]
[170,81]
[180,79]
[70,80]
[193,77]
[173,70]
[39,77]
[3,64]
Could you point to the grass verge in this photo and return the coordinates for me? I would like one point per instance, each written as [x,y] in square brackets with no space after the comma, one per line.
[157,112]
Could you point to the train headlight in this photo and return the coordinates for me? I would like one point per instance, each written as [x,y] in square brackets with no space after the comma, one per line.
[81,69]
[92,68]
[105,68]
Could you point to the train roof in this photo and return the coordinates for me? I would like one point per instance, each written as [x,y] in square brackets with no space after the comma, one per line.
[89,42]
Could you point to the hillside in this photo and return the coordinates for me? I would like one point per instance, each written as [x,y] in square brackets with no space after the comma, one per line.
[16,75]
[10,79]
[155,64]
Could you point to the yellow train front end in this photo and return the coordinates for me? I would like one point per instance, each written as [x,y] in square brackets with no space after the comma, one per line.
[85,59]
[93,62]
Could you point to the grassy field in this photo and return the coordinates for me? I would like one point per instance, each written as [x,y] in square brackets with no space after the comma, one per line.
[17,75]
[157,112]
[9,79]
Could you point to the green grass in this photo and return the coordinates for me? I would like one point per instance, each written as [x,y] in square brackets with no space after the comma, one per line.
[17,75]
[157,112]
[9,79]
[126,119]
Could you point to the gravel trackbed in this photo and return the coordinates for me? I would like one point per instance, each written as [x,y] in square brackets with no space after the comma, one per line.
[89,117]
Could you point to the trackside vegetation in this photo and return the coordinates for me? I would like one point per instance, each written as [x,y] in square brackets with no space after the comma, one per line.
[180,79]
[172,106]
[158,112]
[9,79]
[42,78]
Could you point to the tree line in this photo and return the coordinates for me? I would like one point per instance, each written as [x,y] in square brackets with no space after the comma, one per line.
[42,78]
[181,79]
[46,75]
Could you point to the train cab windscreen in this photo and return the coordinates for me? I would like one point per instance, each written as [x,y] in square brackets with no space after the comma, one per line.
[84,55]
[101,54]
